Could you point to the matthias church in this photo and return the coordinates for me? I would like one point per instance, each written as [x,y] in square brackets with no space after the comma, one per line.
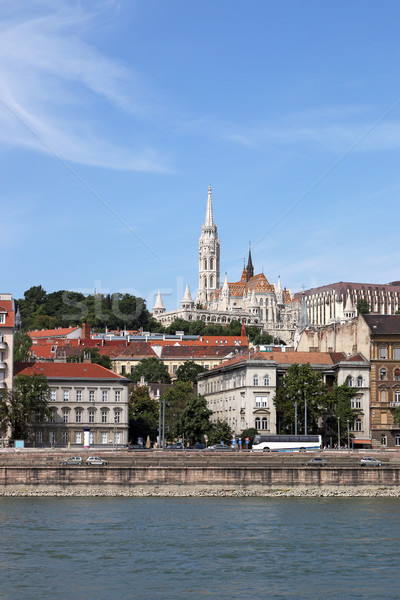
[252,300]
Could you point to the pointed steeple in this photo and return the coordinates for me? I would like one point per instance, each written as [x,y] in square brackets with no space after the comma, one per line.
[209,214]
[187,297]
[249,268]
[18,320]
[225,287]
[158,308]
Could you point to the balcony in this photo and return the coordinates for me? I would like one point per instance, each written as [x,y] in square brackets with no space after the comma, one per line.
[3,366]
[394,404]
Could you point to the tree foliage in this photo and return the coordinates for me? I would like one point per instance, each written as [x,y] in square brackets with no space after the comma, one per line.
[175,400]
[340,409]
[301,384]
[143,415]
[26,404]
[362,307]
[22,346]
[152,369]
[188,371]
[250,433]
[194,420]
[220,432]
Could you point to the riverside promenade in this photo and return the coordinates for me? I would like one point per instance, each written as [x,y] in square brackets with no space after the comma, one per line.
[32,472]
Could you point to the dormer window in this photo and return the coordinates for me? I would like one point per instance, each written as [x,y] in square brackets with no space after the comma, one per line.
[2,318]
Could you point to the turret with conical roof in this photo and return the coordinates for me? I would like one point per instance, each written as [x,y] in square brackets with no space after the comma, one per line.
[187,302]
[158,308]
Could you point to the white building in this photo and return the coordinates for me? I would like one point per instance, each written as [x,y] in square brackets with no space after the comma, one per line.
[251,300]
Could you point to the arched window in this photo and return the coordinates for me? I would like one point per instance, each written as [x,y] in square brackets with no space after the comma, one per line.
[205,264]
[266,380]
[358,425]
[211,281]
[264,423]
[261,302]
[397,374]
[211,264]
[383,396]
[350,381]
[382,374]
[257,424]
[359,381]
[255,380]
[205,282]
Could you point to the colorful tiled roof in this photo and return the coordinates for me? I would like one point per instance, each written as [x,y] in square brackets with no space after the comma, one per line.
[52,333]
[6,306]
[66,371]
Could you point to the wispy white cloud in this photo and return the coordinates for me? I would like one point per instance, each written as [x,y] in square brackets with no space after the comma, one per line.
[51,80]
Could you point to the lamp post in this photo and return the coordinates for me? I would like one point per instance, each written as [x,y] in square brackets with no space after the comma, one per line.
[348,434]
[295,417]
[338,428]
[305,416]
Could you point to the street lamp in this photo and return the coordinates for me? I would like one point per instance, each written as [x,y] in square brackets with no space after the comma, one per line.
[348,434]
[338,428]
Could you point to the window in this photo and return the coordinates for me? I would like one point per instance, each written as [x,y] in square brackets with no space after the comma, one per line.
[66,395]
[383,396]
[78,416]
[78,437]
[65,416]
[382,352]
[104,416]
[117,438]
[91,416]
[397,397]
[257,424]
[64,437]
[350,381]
[53,394]
[266,380]
[397,353]
[91,395]
[117,396]
[358,425]
[52,437]
[264,423]
[382,374]
[132,368]
[104,396]
[79,395]
[2,318]
[356,403]
[123,370]
[91,438]
[359,381]
[174,368]
[397,439]
[104,437]
[255,380]
[117,416]
[53,416]
[383,439]
[39,437]
[397,374]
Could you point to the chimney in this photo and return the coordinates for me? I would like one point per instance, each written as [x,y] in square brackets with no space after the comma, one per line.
[85,331]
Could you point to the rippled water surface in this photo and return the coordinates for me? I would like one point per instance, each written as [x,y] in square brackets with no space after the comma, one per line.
[212,548]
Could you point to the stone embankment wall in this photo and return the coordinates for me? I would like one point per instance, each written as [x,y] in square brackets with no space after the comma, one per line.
[181,474]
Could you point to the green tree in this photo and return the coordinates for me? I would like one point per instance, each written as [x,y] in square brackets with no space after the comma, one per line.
[194,420]
[26,404]
[396,417]
[175,400]
[143,415]
[362,307]
[250,433]
[152,369]
[220,432]
[22,346]
[188,371]
[301,384]
[339,409]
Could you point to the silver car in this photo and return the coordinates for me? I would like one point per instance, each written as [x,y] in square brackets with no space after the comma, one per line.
[96,460]
[72,461]
[370,461]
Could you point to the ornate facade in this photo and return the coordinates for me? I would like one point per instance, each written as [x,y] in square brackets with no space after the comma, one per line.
[251,300]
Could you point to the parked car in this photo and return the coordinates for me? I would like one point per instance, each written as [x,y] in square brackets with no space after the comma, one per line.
[177,446]
[96,460]
[71,461]
[199,446]
[317,461]
[136,447]
[219,447]
[370,461]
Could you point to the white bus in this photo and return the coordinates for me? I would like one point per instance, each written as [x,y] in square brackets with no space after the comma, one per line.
[286,443]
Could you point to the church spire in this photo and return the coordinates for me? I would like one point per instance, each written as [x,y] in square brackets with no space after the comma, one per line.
[249,268]
[209,214]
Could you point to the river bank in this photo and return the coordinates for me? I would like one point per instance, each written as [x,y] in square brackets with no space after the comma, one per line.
[188,491]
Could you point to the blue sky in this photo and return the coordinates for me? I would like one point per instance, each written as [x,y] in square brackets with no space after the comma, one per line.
[115,116]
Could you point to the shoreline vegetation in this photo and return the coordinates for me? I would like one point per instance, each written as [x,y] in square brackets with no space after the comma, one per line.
[189,491]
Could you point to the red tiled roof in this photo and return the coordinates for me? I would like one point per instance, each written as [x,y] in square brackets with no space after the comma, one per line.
[7,307]
[51,333]
[66,370]
[186,352]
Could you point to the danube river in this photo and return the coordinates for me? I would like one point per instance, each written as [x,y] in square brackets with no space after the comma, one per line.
[195,548]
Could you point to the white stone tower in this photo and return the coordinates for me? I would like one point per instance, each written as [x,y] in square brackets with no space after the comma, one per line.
[209,256]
